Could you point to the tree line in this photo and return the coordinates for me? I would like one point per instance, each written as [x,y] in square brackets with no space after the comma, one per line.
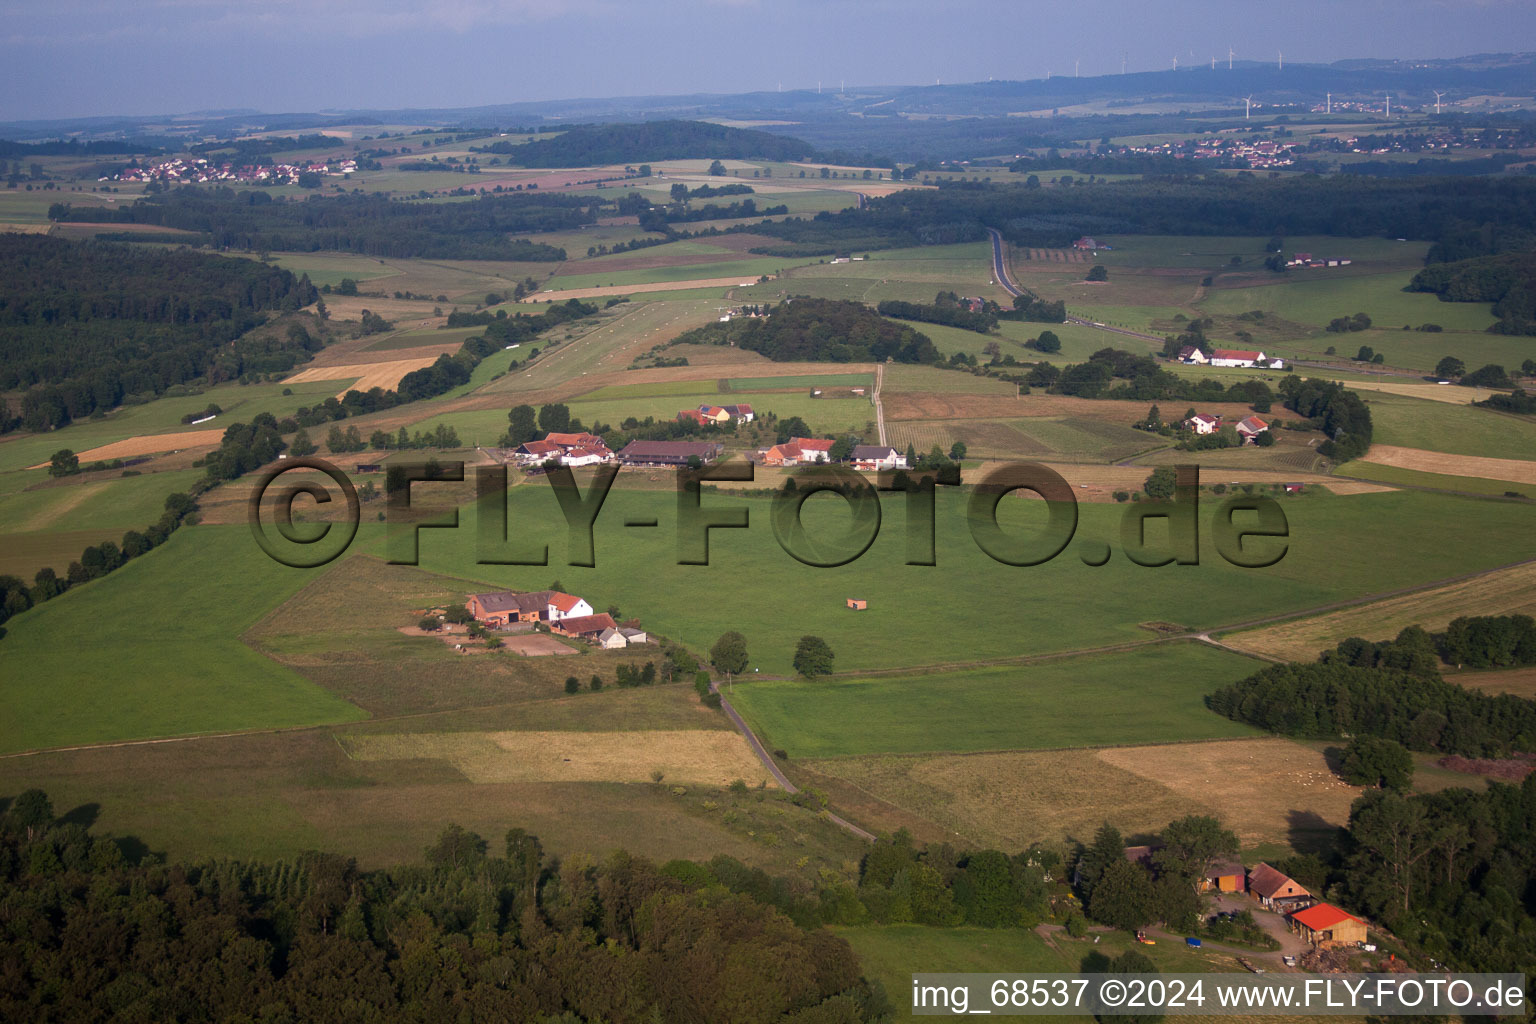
[368,224]
[947,309]
[1508,280]
[470,935]
[595,144]
[85,326]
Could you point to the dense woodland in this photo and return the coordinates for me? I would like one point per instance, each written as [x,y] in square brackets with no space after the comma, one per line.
[589,145]
[473,935]
[819,330]
[944,309]
[97,323]
[371,225]
[1423,208]
[1395,691]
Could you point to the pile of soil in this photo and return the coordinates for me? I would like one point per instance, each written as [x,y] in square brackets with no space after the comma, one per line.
[1513,769]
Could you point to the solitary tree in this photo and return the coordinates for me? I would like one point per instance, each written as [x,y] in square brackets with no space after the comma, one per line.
[1192,844]
[729,654]
[31,812]
[1098,272]
[1376,761]
[813,657]
[63,463]
[302,445]
[572,684]
[1161,483]
[1048,342]
[1450,367]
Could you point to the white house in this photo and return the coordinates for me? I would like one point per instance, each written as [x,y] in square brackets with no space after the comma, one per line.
[874,457]
[1236,357]
[612,640]
[566,606]
[1190,354]
[634,636]
[1203,423]
[584,457]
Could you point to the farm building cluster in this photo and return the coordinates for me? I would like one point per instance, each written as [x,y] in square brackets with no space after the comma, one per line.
[1322,924]
[805,451]
[576,450]
[565,614]
[718,415]
[1240,357]
[1306,259]
[1248,428]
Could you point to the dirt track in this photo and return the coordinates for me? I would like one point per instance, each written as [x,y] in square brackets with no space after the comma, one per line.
[655,286]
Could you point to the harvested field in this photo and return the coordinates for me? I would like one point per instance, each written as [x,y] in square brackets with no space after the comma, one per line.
[1267,790]
[1518,470]
[367,375]
[1506,592]
[931,406]
[148,444]
[535,646]
[632,289]
[1431,392]
[1519,681]
[706,757]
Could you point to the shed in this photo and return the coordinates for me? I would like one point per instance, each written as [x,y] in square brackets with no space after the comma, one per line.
[1324,924]
[858,604]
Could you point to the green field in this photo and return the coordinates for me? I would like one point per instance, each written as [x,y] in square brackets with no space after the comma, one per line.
[1318,299]
[936,615]
[154,649]
[1438,481]
[1444,427]
[745,270]
[1148,695]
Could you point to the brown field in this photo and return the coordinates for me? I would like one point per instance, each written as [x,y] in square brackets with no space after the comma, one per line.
[1432,392]
[384,374]
[148,444]
[1052,256]
[1268,790]
[707,757]
[1519,681]
[1098,482]
[939,406]
[634,289]
[1517,470]
[1506,592]
[536,645]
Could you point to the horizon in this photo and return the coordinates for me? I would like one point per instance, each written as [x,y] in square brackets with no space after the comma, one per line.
[359,55]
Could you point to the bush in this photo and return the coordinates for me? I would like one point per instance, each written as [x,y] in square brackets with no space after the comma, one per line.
[430,623]
[1077,925]
[596,684]
[572,684]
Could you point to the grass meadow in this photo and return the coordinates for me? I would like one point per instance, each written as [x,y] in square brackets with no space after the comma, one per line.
[1445,427]
[154,649]
[1152,694]
[1339,547]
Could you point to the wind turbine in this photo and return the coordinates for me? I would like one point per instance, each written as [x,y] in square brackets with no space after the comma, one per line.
[1279,61]
[1175,62]
[1123,58]
[1438,94]
[1389,103]
[1076,65]
[1328,107]
[1247,107]
[1213,63]
[1230,54]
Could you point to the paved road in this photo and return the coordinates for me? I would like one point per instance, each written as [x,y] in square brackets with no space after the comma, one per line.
[772,766]
[998,269]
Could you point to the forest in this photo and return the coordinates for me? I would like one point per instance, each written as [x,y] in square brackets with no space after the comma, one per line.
[370,225]
[473,934]
[96,323]
[1508,280]
[1396,699]
[1344,205]
[594,144]
[819,330]
[944,309]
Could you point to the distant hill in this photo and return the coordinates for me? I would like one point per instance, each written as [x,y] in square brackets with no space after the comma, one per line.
[587,145]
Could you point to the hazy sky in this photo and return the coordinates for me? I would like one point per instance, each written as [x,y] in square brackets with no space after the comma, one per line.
[85,57]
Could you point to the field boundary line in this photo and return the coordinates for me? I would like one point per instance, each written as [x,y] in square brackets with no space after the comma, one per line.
[913,754]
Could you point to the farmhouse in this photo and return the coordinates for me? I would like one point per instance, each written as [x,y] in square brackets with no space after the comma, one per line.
[1192,355]
[798,450]
[504,607]
[585,456]
[740,413]
[588,626]
[1275,889]
[1203,423]
[1086,242]
[695,415]
[1224,876]
[537,451]
[582,440]
[612,640]
[877,456]
[669,453]
[1324,924]
[713,414]
[1236,357]
[1250,427]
